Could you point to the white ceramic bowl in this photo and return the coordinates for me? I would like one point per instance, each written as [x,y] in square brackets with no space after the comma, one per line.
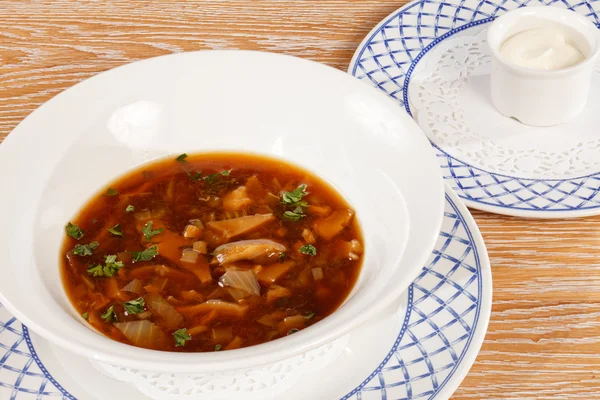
[535,97]
[301,111]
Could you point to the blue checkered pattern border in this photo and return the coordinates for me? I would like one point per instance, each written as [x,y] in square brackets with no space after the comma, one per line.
[388,57]
[22,374]
[443,313]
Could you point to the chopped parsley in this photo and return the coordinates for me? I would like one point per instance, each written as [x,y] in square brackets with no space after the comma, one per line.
[85,315]
[85,249]
[116,230]
[181,336]
[148,232]
[181,158]
[213,178]
[282,256]
[145,255]
[109,315]
[308,249]
[295,215]
[217,347]
[109,269]
[74,231]
[294,198]
[130,208]
[194,177]
[309,315]
[292,331]
[111,192]
[134,306]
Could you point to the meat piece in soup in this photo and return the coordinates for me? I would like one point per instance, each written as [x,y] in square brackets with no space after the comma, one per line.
[211,252]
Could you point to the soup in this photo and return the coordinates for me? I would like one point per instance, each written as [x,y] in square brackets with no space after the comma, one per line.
[211,252]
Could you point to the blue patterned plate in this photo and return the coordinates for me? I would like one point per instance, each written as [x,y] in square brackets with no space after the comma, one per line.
[432,58]
[422,350]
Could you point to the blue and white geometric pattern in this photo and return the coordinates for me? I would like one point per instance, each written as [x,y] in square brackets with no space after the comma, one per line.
[22,374]
[387,58]
[443,316]
[444,307]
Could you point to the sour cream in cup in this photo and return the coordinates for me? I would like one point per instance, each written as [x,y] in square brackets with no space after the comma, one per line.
[542,63]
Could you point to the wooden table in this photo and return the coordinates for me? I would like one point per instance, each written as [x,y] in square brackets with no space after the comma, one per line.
[544,337]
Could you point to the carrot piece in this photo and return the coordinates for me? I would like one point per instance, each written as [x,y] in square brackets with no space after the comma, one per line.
[111,288]
[200,268]
[192,232]
[276,292]
[208,318]
[271,273]
[224,308]
[329,227]
[271,320]
[197,330]
[236,343]
[254,188]
[320,211]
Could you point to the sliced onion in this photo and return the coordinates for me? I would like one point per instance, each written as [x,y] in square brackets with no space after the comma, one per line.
[247,250]
[135,286]
[237,294]
[196,222]
[142,333]
[317,273]
[189,256]
[144,215]
[242,280]
[166,311]
[192,232]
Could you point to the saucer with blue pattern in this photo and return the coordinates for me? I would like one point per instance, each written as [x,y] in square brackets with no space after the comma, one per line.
[422,348]
[432,58]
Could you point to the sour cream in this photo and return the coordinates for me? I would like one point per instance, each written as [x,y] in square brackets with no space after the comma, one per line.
[548,48]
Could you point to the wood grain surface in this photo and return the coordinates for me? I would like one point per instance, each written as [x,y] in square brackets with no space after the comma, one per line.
[544,336]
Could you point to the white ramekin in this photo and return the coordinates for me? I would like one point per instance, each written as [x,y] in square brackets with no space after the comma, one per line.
[534,97]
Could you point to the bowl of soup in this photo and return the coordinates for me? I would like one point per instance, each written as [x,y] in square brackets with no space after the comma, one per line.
[213,211]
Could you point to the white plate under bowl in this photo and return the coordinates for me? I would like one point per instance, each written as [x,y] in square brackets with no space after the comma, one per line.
[432,58]
[310,114]
[420,349]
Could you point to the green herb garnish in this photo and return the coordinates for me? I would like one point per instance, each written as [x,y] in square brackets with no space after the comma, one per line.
[130,208]
[292,331]
[109,269]
[111,192]
[294,198]
[85,249]
[181,336]
[134,306]
[74,231]
[308,249]
[309,315]
[116,230]
[148,232]
[217,347]
[85,315]
[145,255]
[194,177]
[109,315]
[295,215]
[282,256]
[181,158]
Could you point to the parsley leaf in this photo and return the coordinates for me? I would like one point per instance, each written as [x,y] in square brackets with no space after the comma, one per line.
[116,230]
[295,215]
[130,208]
[148,232]
[226,173]
[294,198]
[308,249]
[145,255]
[109,315]
[74,231]
[181,336]
[85,249]
[213,178]
[109,269]
[181,158]
[194,177]
[217,347]
[111,192]
[135,306]
[85,315]
[309,315]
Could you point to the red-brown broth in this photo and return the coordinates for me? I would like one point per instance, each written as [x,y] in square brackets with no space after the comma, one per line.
[170,194]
